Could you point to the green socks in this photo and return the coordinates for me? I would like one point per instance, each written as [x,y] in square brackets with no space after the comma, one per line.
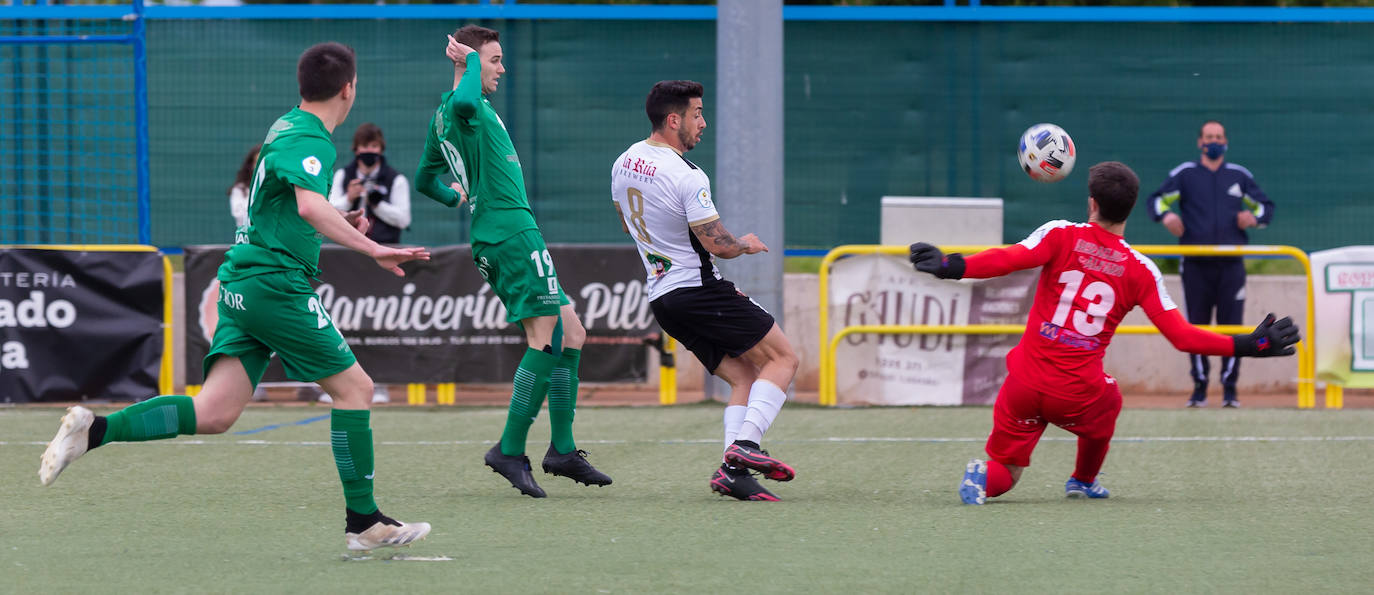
[351,436]
[157,418]
[172,415]
[529,388]
[563,400]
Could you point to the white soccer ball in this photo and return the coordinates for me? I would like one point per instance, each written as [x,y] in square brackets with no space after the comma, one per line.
[1046,153]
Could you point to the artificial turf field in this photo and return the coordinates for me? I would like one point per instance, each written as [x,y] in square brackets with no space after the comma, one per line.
[1251,500]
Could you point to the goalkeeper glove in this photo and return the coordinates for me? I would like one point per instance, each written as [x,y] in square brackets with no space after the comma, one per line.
[928,259]
[1271,338]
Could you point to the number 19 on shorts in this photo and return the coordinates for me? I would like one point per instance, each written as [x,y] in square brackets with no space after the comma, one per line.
[543,263]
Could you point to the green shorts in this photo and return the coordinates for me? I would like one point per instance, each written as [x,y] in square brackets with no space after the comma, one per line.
[278,313]
[521,273]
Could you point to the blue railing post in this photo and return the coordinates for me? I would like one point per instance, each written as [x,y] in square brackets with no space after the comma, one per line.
[145,217]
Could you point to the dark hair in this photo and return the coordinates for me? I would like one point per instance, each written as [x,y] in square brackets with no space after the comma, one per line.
[245,173]
[1204,125]
[670,97]
[324,70]
[367,134]
[475,36]
[1115,187]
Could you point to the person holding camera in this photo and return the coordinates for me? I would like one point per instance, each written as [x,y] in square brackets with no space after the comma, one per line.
[369,184]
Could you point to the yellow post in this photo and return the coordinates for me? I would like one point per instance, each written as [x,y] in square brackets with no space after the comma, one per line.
[164,379]
[667,373]
[415,394]
[1335,396]
[192,390]
[1306,399]
[446,393]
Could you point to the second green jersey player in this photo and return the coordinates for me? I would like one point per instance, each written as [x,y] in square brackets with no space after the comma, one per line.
[468,140]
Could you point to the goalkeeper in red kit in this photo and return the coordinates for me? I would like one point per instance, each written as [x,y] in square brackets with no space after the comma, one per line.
[1090,280]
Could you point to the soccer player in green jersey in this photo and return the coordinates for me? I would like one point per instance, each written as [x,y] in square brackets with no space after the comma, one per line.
[266,305]
[467,139]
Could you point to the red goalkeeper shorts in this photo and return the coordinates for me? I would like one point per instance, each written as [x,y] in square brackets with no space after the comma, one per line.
[1021,412]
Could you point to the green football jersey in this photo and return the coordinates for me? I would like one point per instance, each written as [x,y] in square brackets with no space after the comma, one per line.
[468,139]
[296,152]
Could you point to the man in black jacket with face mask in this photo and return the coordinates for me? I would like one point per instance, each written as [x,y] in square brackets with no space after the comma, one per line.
[1212,201]
[369,184]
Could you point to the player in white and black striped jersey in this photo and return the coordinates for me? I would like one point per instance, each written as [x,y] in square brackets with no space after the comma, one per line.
[664,202]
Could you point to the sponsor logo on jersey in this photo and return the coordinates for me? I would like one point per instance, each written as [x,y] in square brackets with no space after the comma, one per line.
[1064,336]
[311,165]
[639,166]
[1234,190]
[661,264]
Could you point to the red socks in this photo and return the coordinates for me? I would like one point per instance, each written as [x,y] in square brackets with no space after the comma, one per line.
[1091,454]
[999,479]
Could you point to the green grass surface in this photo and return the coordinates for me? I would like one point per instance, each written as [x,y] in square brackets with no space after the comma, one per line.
[1202,501]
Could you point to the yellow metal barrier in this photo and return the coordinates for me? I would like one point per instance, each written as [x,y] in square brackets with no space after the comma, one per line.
[415,394]
[1335,396]
[446,393]
[164,379]
[1306,360]
[667,373]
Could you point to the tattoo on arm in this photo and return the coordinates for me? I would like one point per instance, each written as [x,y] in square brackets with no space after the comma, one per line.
[725,243]
[621,215]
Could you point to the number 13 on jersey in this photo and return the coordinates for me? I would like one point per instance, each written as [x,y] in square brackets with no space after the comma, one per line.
[1090,321]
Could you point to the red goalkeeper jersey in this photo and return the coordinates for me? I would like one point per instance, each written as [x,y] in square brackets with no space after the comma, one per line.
[1090,280]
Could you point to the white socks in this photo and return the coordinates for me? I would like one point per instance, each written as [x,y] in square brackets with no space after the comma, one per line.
[734,416]
[765,401]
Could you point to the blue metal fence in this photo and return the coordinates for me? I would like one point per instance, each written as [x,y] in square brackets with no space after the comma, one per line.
[50,106]
[25,15]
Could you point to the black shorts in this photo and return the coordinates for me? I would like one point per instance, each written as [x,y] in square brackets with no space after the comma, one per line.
[712,321]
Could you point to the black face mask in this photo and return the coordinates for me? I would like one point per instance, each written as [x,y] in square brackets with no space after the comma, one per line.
[369,159]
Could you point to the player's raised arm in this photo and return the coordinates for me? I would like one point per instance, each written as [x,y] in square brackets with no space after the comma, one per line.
[316,210]
[720,242]
[469,84]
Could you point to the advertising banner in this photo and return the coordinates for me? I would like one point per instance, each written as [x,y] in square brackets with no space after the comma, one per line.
[1343,288]
[80,324]
[911,369]
[441,322]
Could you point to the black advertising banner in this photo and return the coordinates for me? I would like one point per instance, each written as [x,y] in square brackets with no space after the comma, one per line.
[441,322]
[79,324]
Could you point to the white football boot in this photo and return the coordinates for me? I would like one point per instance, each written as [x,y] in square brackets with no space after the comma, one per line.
[387,532]
[67,445]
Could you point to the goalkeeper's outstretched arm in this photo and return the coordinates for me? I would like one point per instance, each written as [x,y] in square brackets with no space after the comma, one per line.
[1271,338]
[993,262]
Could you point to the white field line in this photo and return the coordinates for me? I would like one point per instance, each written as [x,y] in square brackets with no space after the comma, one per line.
[696,441]
[397,558]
